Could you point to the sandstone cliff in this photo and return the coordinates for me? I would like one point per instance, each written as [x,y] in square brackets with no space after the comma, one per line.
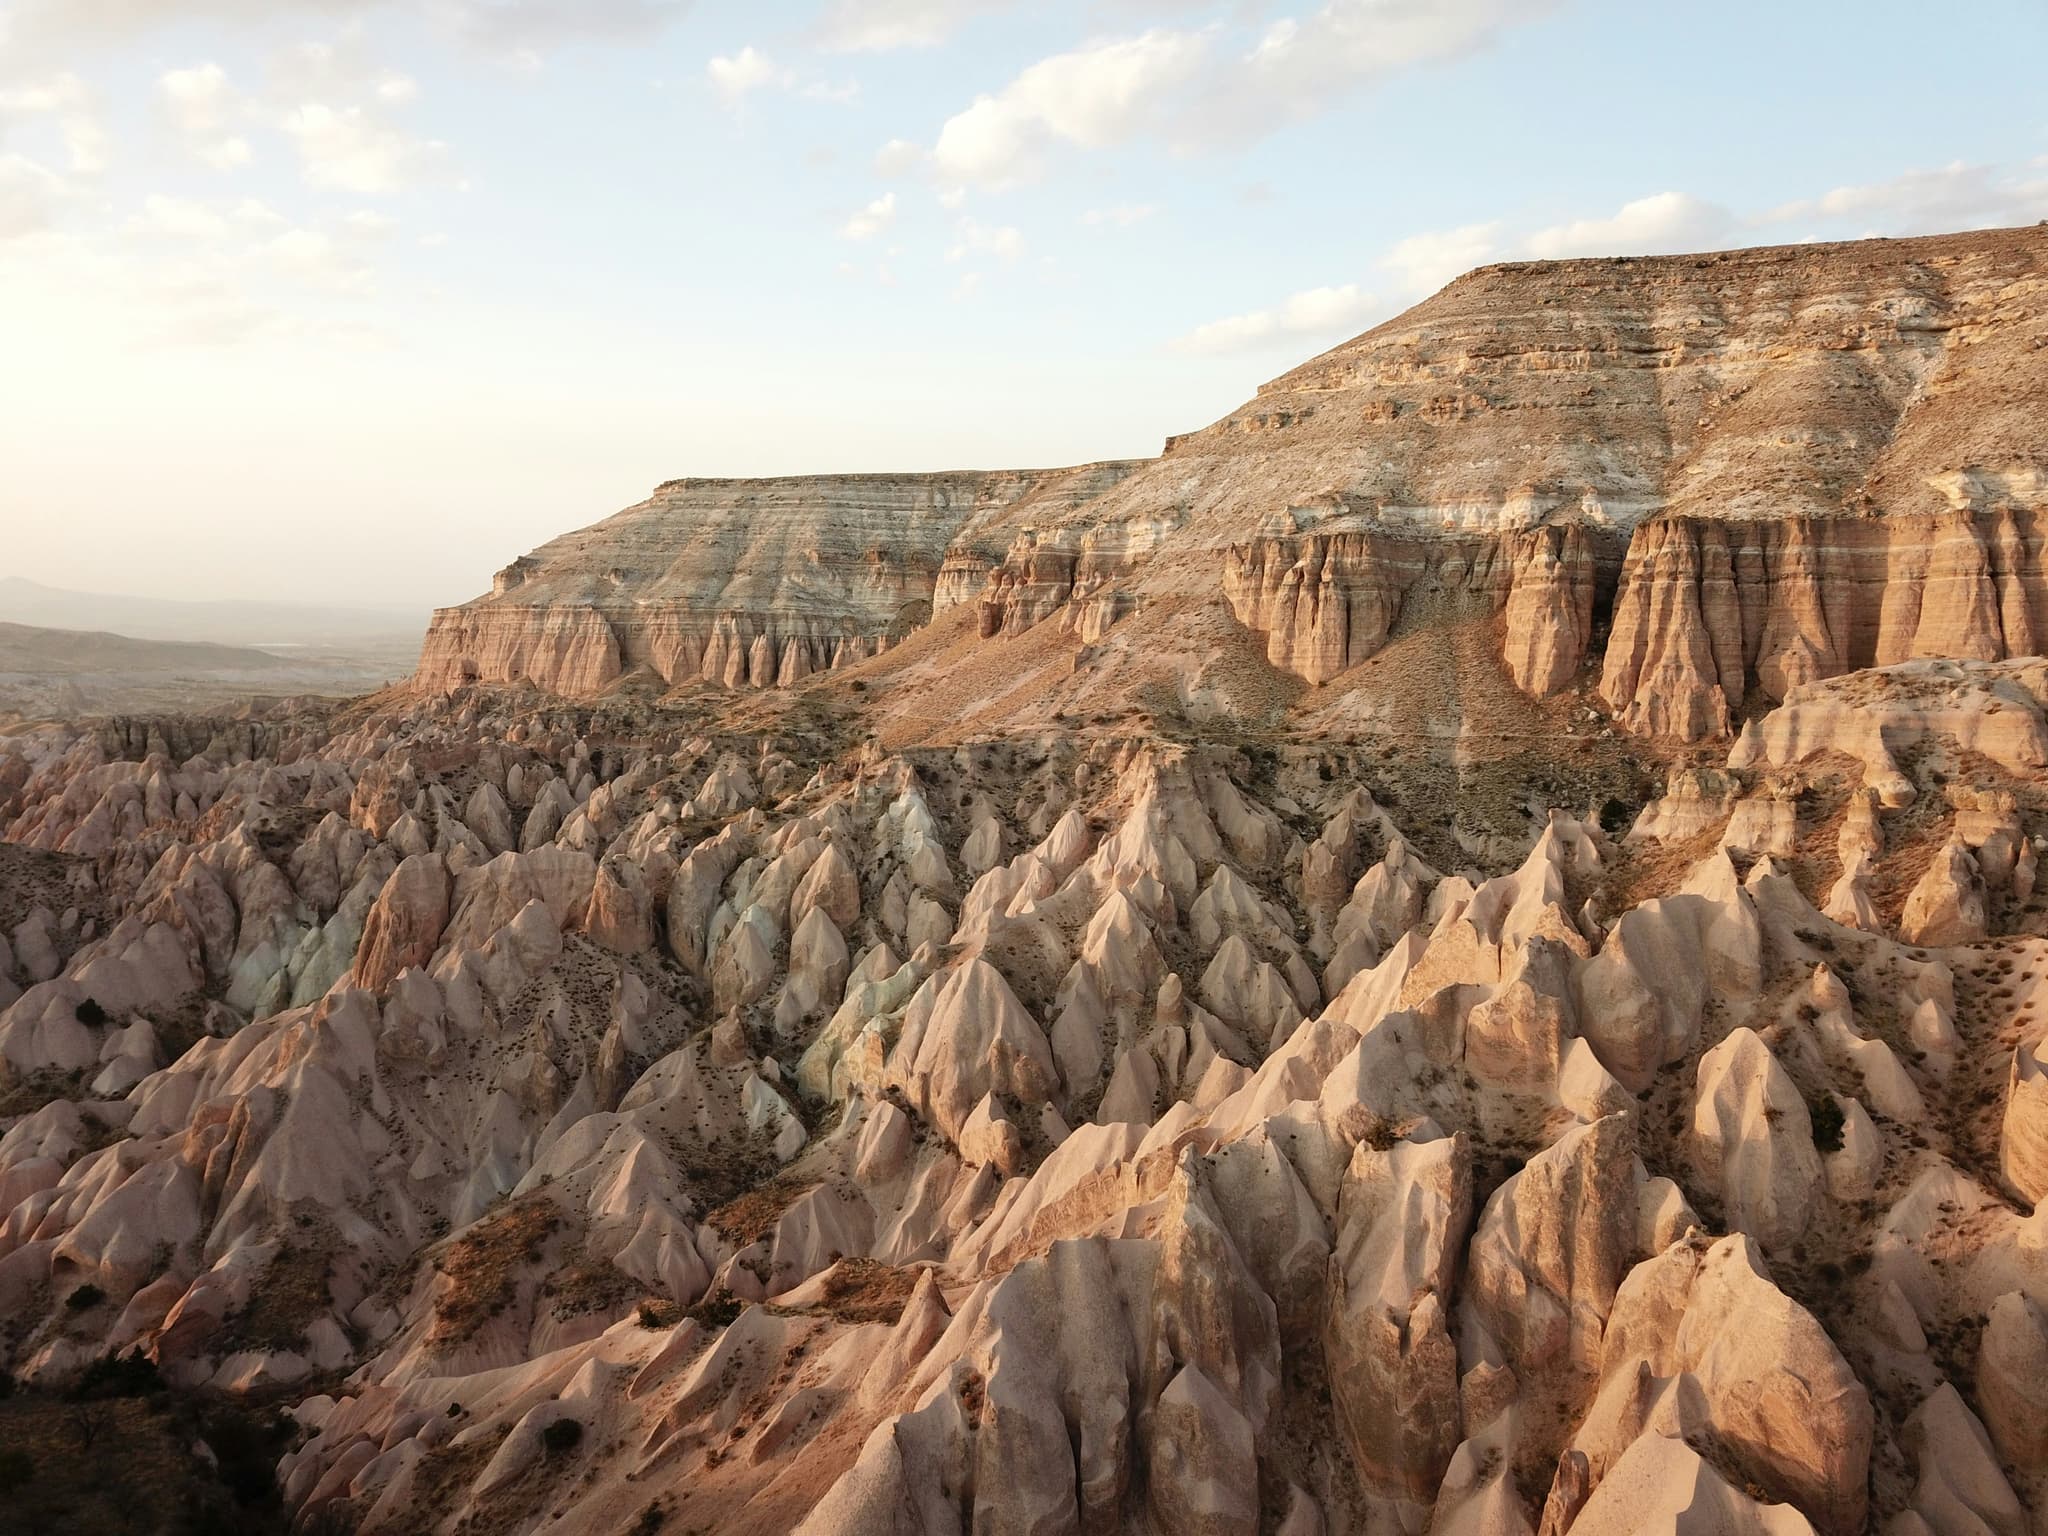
[1753,468]
[739,583]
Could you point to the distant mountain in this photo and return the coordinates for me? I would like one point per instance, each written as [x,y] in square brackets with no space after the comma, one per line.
[221,622]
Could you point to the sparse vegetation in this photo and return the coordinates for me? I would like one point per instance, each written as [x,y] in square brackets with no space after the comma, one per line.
[480,1269]
[752,1216]
[292,1295]
[562,1435]
[122,1455]
[717,1310]
[131,1375]
[867,1291]
[90,1013]
[1826,1116]
[582,1285]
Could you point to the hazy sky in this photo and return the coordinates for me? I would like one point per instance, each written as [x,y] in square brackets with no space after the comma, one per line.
[348,299]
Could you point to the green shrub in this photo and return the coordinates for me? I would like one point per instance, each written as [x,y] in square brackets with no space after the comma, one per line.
[1826,1116]
[718,1309]
[131,1375]
[85,1297]
[90,1012]
[562,1435]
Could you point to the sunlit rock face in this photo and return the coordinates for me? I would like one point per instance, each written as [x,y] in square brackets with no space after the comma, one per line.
[737,583]
[1691,482]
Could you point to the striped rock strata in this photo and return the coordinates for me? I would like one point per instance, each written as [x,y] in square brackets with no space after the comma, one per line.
[1693,481]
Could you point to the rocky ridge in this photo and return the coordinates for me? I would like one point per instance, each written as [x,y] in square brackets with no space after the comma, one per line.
[1073,1131]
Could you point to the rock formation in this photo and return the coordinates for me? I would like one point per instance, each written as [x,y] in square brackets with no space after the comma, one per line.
[1685,485]
[742,583]
[1214,996]
[757,1115]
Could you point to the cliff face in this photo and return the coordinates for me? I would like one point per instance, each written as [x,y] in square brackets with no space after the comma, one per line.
[739,583]
[1711,610]
[1325,602]
[1767,465]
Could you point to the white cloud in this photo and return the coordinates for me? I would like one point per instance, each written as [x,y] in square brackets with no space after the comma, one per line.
[1956,196]
[1327,314]
[349,149]
[217,273]
[1664,223]
[1302,67]
[65,98]
[335,68]
[1093,96]
[507,26]
[1425,262]
[529,25]
[47,97]
[748,70]
[203,106]
[199,100]
[317,260]
[876,26]
[1122,215]
[257,214]
[227,154]
[29,196]
[871,220]
[898,157]
[1201,87]
[177,218]
[974,238]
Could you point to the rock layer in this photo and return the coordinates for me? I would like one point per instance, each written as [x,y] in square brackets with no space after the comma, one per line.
[739,583]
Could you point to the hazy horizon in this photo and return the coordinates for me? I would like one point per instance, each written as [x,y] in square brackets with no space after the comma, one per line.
[346,302]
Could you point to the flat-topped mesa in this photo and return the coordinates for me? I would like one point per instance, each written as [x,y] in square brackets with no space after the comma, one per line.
[742,583]
[1764,466]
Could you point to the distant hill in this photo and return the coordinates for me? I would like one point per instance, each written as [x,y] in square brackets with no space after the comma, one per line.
[67,652]
[220,622]
[72,673]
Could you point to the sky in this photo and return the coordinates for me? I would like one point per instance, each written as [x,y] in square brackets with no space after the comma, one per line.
[356,300]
